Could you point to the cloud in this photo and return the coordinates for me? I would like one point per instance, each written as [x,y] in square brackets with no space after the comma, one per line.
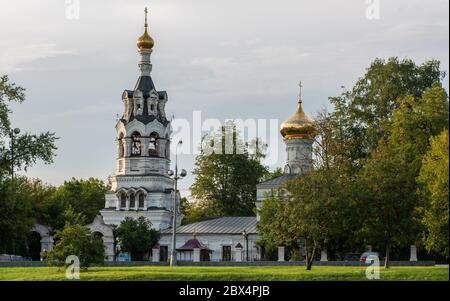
[17,59]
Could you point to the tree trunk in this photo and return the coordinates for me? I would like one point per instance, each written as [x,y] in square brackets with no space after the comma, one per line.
[386,260]
[310,260]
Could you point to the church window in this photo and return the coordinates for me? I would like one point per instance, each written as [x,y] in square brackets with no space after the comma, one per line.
[136,144]
[132,200]
[141,200]
[152,107]
[123,200]
[153,145]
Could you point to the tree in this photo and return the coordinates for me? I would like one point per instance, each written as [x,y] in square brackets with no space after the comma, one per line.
[433,179]
[75,239]
[137,237]
[16,214]
[226,178]
[387,180]
[195,211]
[363,114]
[85,197]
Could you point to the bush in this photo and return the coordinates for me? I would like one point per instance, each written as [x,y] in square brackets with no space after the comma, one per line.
[76,240]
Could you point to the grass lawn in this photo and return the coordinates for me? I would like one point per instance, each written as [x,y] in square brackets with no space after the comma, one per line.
[225,273]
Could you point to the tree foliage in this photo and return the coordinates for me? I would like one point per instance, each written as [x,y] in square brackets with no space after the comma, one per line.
[363,114]
[137,237]
[226,178]
[434,187]
[84,197]
[75,239]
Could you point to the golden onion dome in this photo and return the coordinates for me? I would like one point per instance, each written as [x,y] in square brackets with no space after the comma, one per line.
[299,125]
[145,42]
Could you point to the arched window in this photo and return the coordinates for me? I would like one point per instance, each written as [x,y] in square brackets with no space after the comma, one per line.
[121,146]
[153,145]
[136,144]
[132,200]
[141,200]
[123,200]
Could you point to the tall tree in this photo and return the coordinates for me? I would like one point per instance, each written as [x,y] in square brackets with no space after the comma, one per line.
[227,174]
[16,214]
[434,187]
[387,180]
[363,114]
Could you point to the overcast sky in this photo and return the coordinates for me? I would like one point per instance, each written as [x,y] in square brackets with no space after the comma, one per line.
[228,59]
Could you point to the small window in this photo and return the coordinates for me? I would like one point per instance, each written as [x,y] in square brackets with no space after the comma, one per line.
[123,200]
[132,201]
[141,200]
[153,145]
[136,144]
[226,253]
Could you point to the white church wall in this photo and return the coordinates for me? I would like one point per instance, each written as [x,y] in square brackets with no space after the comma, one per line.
[215,242]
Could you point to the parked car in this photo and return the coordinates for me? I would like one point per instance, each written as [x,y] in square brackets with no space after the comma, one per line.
[367,254]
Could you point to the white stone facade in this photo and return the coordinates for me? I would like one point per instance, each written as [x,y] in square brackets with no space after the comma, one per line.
[298,156]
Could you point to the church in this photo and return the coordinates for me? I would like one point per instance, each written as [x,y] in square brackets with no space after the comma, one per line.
[141,185]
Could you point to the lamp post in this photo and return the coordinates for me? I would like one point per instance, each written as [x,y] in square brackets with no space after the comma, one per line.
[176,176]
[12,133]
[245,235]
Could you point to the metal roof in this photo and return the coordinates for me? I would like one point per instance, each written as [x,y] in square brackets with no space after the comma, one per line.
[221,225]
[278,181]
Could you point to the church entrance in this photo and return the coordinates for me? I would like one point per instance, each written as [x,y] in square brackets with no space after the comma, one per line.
[163,253]
[33,246]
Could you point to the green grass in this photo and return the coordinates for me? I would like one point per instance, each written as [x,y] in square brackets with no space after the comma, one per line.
[225,273]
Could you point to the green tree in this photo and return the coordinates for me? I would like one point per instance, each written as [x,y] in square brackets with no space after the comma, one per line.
[434,187]
[16,216]
[226,174]
[75,239]
[362,115]
[16,213]
[85,197]
[137,237]
[388,178]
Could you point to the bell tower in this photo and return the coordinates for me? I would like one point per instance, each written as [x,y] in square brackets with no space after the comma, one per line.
[140,185]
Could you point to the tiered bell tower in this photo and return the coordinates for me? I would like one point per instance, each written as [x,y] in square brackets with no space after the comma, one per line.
[140,185]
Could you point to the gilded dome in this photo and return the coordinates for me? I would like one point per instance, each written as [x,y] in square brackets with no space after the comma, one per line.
[298,126]
[145,41]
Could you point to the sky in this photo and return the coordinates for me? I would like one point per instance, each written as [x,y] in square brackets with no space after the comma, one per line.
[227,59]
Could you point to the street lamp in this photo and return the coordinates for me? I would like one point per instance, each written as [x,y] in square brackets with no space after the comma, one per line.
[245,235]
[13,133]
[176,176]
